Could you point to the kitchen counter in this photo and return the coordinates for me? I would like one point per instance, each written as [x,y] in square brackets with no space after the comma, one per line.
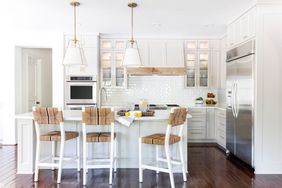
[127,139]
[218,106]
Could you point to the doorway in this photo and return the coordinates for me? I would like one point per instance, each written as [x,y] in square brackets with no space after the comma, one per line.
[33,78]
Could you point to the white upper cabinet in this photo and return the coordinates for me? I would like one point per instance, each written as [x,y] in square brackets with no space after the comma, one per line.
[202,58]
[161,53]
[143,48]
[242,29]
[157,53]
[174,53]
[113,74]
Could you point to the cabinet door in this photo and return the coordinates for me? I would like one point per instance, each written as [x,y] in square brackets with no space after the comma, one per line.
[119,69]
[191,45]
[203,68]
[143,48]
[157,53]
[106,71]
[203,45]
[244,27]
[174,53]
[222,66]
[236,33]
[106,44]
[214,80]
[230,35]
[210,124]
[252,23]
[191,68]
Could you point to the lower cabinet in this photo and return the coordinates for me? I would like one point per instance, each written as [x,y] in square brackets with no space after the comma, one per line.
[220,125]
[207,125]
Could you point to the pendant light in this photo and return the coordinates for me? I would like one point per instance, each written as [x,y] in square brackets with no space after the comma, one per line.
[74,54]
[132,57]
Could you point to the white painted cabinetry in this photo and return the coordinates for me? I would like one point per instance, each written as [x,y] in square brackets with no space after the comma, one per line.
[113,73]
[210,123]
[220,127]
[161,53]
[242,29]
[201,127]
[207,125]
[202,58]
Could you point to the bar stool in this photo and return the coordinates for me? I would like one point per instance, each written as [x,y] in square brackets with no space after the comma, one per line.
[177,117]
[53,116]
[102,117]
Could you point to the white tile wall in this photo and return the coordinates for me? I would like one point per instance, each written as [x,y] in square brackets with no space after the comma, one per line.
[158,90]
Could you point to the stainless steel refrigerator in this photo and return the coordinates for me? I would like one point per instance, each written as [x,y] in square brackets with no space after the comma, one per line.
[240,101]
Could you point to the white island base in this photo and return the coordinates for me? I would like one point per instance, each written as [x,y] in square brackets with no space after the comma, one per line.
[127,138]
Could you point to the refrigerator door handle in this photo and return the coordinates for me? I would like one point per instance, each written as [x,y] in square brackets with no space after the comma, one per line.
[236,99]
[233,99]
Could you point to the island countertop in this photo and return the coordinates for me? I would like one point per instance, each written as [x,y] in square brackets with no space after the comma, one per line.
[75,115]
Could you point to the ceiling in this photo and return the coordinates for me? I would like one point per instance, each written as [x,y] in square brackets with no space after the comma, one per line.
[152,17]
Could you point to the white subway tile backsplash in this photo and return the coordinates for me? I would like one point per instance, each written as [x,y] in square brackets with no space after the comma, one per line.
[158,90]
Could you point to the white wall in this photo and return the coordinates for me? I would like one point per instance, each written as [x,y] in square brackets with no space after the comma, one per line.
[157,89]
[29,39]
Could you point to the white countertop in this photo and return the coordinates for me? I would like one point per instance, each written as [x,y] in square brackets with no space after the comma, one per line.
[75,115]
[220,107]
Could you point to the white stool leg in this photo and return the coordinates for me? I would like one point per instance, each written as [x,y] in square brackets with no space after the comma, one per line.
[53,153]
[140,161]
[182,161]
[115,163]
[169,166]
[84,147]
[37,161]
[157,156]
[111,162]
[62,146]
[78,153]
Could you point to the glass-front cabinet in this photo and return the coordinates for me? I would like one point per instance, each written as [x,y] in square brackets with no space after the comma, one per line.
[197,57]
[113,73]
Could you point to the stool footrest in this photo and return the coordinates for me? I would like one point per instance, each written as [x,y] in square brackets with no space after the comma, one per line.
[172,161]
[48,165]
[155,168]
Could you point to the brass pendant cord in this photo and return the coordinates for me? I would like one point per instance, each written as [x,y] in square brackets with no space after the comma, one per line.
[75,4]
[132,39]
[132,6]
[74,23]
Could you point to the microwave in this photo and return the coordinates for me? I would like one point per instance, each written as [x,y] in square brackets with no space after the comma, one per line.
[81,91]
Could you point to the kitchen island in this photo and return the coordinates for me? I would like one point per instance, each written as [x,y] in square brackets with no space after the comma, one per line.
[127,140]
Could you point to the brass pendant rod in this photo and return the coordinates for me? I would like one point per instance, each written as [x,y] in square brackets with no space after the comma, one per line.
[74,23]
[132,6]
[132,39]
[75,4]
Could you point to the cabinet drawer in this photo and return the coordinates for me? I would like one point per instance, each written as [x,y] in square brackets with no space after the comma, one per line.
[221,124]
[196,111]
[220,113]
[221,138]
[196,134]
[197,122]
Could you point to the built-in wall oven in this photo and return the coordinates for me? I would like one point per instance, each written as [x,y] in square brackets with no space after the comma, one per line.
[80,91]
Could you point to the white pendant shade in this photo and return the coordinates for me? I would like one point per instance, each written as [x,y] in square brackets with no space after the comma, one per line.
[132,57]
[74,55]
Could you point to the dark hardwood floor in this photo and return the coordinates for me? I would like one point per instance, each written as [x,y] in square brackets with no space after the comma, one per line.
[208,167]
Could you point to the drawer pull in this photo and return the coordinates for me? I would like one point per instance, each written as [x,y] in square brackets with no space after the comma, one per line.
[198,121]
[222,137]
[196,133]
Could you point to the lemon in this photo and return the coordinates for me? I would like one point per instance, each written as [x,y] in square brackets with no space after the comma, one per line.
[138,114]
[127,114]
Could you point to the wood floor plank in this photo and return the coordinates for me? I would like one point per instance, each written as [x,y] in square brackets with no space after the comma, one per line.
[208,167]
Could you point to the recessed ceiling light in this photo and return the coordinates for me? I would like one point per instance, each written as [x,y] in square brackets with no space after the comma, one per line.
[157,25]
